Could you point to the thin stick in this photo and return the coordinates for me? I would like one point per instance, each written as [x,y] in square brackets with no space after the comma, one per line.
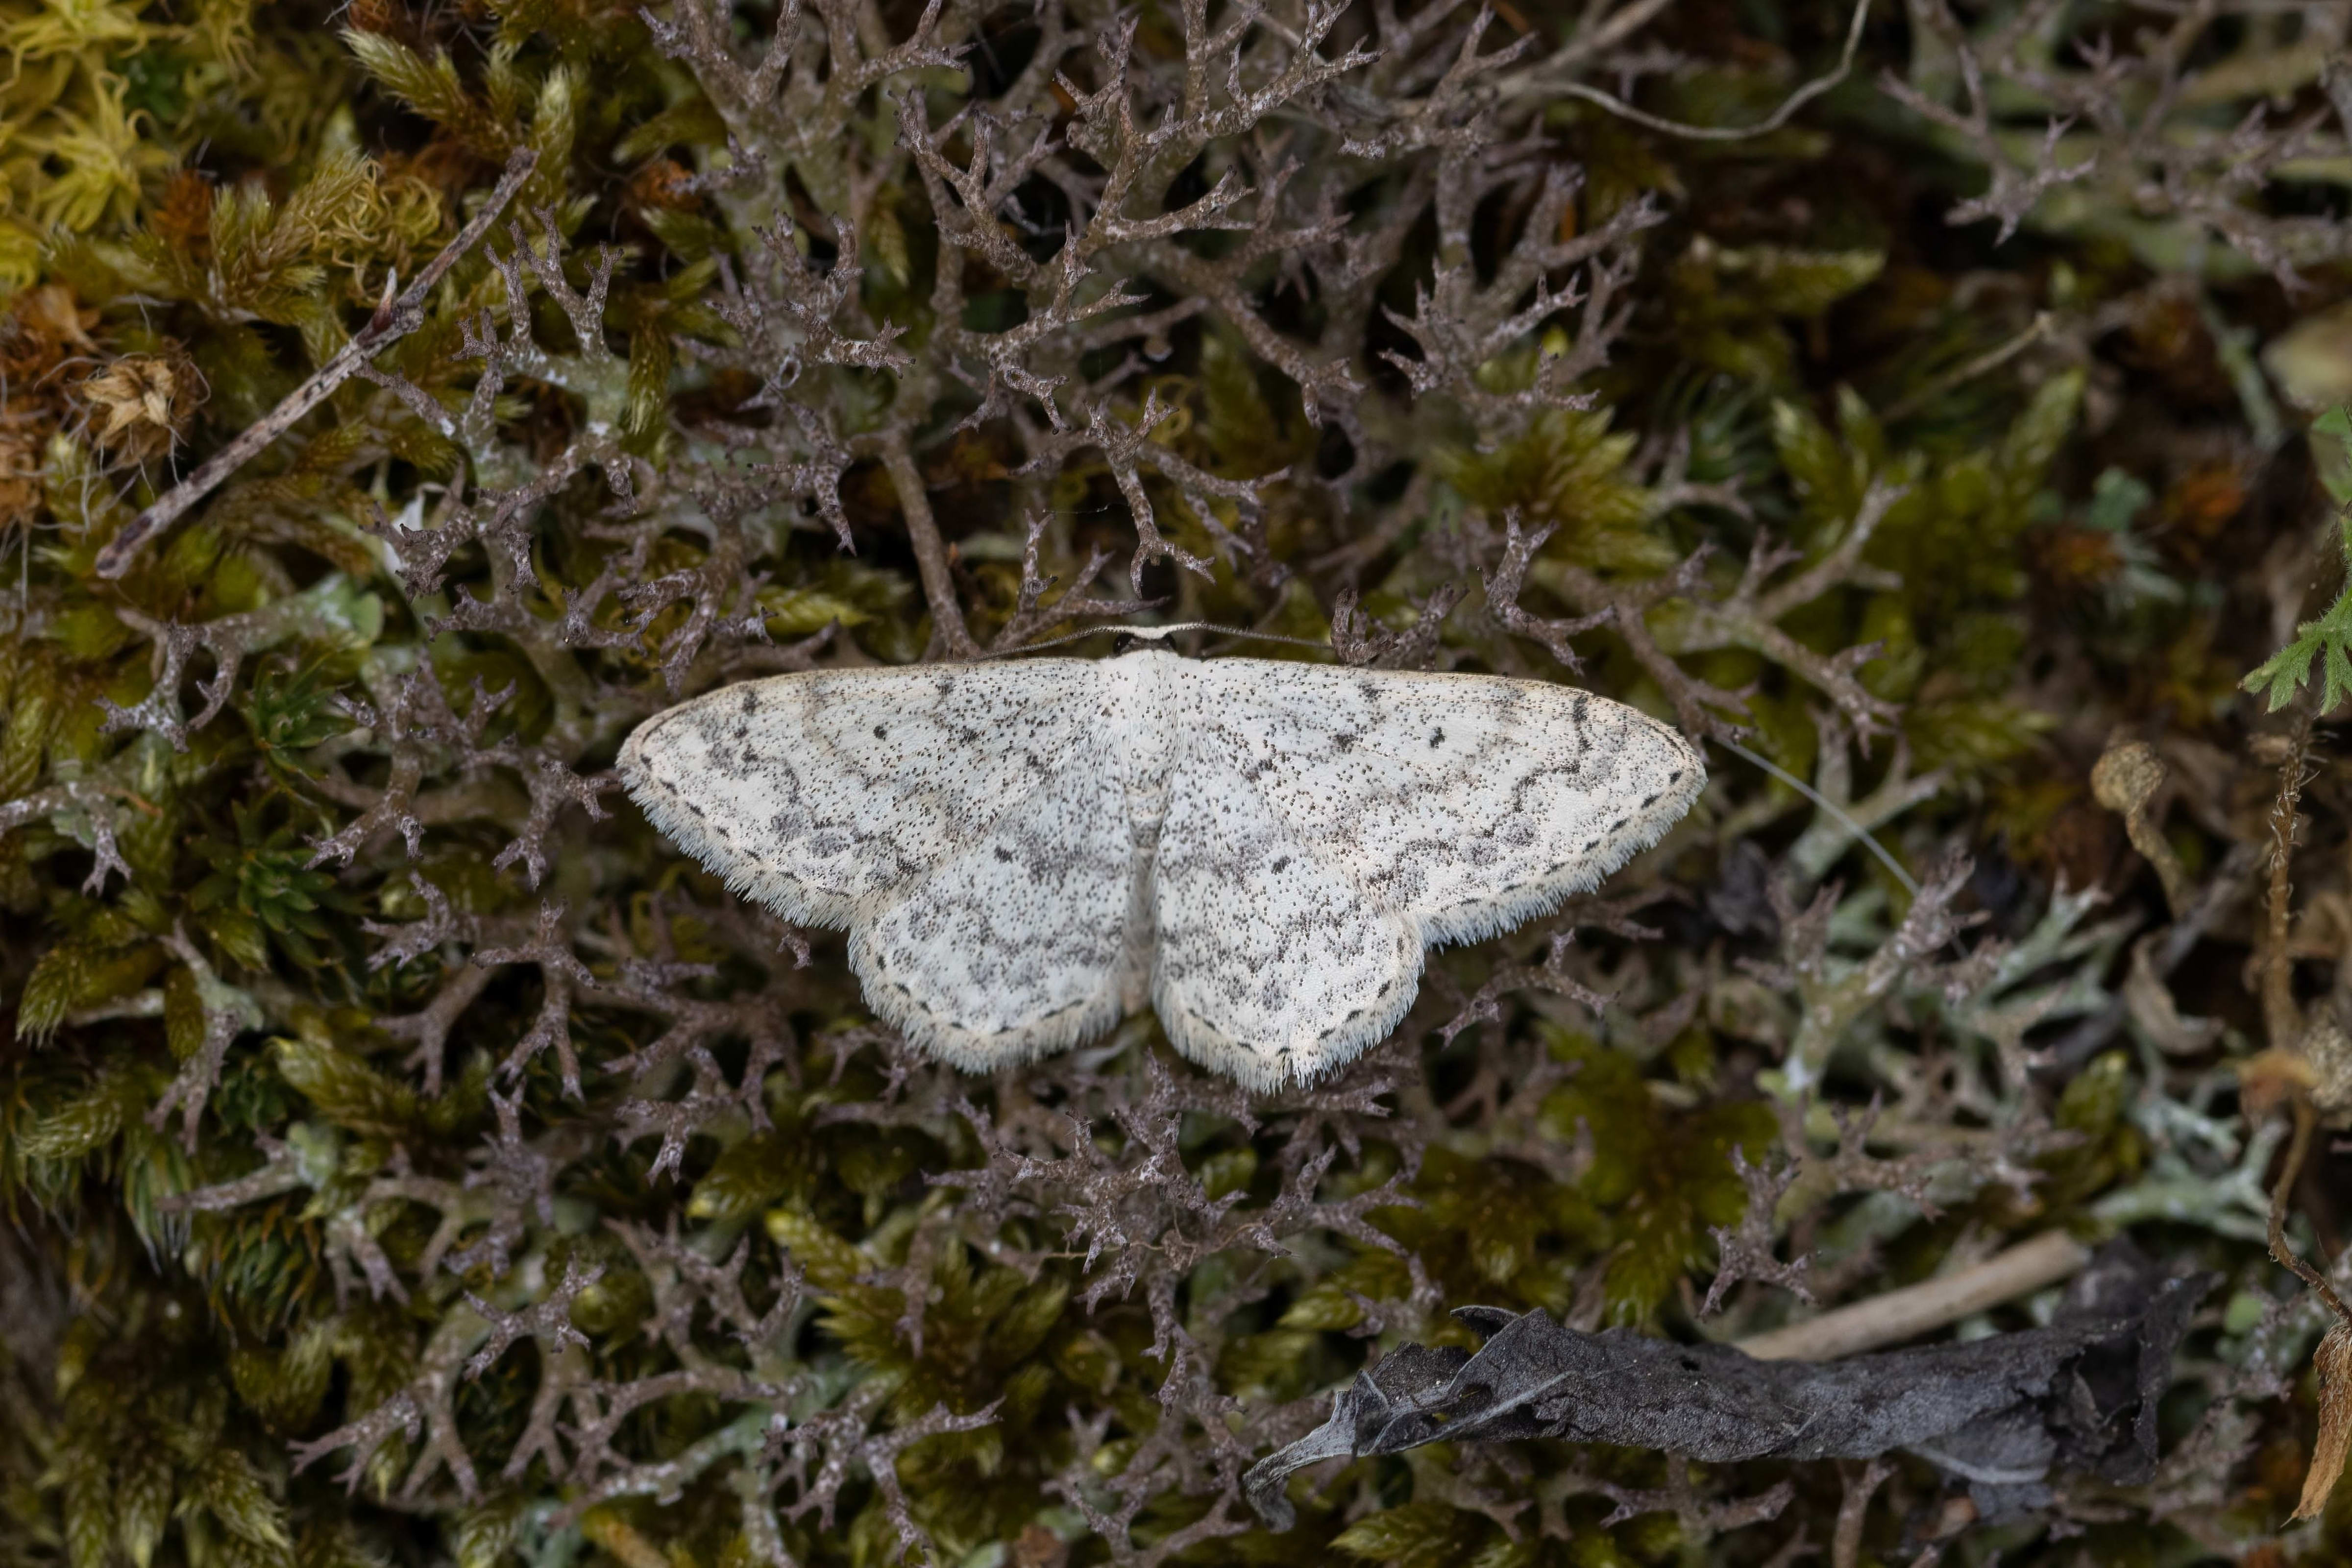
[2282,1019]
[1917,1309]
[930,554]
[393,319]
[2280,1253]
[1991,360]
[1613,31]
[1771,122]
[1853,1510]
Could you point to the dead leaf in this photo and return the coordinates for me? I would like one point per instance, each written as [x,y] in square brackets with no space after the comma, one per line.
[2333,1361]
[141,403]
[2001,1412]
[2153,1010]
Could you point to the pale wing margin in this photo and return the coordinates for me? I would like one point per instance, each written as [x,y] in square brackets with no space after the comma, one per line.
[1021,944]
[1271,965]
[1470,804]
[822,795]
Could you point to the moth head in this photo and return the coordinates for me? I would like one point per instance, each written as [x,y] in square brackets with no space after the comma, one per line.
[1137,638]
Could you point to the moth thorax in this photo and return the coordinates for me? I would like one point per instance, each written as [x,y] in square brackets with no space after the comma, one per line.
[1135,710]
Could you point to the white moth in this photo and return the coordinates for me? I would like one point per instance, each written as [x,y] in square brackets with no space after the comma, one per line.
[1024,853]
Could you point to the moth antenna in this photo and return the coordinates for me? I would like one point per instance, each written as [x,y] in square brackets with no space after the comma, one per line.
[1910,884]
[1045,642]
[1240,632]
[1158,634]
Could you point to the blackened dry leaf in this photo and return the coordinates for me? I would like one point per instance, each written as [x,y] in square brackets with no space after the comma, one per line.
[2001,1412]
[2333,1361]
